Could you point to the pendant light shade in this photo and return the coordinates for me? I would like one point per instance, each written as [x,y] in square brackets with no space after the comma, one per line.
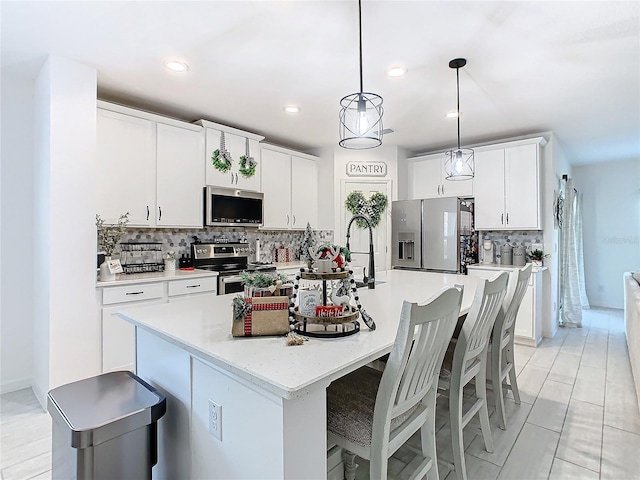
[361,113]
[459,163]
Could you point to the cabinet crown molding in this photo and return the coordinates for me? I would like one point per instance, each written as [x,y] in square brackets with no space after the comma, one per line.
[227,129]
[153,117]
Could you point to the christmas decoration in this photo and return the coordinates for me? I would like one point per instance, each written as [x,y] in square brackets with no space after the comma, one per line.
[247,163]
[221,158]
[308,244]
[372,208]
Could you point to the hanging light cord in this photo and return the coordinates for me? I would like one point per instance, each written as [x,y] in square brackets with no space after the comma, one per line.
[458,96]
[360,29]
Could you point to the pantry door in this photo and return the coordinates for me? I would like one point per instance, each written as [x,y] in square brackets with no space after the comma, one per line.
[359,241]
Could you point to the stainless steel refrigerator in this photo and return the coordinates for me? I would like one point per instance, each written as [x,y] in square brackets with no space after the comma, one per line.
[426,234]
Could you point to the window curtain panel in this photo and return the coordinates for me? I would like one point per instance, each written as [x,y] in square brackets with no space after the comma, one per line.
[572,286]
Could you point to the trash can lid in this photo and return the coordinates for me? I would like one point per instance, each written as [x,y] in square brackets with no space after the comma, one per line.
[100,408]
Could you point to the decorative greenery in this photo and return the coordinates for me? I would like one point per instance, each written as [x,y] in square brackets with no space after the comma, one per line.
[240,308]
[262,279]
[538,255]
[247,166]
[109,235]
[221,162]
[171,255]
[343,250]
[372,208]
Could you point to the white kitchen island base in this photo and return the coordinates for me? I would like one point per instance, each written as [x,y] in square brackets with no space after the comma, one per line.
[272,398]
[262,435]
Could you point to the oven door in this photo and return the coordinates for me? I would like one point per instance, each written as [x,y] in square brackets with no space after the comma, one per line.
[229,283]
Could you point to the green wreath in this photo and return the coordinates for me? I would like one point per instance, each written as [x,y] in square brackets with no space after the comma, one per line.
[247,166]
[372,208]
[221,162]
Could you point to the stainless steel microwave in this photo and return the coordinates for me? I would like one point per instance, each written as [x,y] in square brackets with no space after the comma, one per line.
[230,207]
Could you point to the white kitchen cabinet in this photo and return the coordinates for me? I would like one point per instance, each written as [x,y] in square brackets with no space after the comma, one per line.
[290,187]
[235,143]
[427,179]
[528,325]
[126,152]
[149,166]
[179,177]
[507,186]
[118,336]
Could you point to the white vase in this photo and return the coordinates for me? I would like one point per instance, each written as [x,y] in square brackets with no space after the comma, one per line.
[105,273]
[169,265]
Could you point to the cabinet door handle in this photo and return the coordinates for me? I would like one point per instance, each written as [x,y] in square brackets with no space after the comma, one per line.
[147,212]
[438,189]
[193,286]
[507,218]
[502,219]
[287,219]
[135,293]
[159,213]
[236,178]
[294,220]
[443,188]
[231,178]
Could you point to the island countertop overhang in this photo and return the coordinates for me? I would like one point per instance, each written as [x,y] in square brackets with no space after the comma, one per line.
[289,372]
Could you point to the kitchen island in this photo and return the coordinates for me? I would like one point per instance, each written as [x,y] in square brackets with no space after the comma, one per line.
[253,407]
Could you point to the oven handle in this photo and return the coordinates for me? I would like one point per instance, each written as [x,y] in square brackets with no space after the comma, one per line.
[231,279]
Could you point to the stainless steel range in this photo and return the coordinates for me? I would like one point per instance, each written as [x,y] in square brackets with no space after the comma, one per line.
[229,260]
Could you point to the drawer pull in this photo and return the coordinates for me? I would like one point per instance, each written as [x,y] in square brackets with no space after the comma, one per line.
[135,293]
[193,286]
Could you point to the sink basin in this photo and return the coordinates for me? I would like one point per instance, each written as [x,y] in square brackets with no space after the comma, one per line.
[362,284]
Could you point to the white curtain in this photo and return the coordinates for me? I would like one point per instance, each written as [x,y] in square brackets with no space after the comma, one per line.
[572,289]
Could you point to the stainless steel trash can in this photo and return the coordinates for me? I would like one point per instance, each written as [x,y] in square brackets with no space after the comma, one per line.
[105,428]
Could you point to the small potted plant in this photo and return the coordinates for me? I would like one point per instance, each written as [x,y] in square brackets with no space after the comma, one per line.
[170,262]
[537,256]
[108,238]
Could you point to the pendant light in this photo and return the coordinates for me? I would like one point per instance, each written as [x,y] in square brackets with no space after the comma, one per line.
[361,113]
[459,163]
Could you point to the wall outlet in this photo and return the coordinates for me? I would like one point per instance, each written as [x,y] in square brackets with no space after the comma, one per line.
[215,419]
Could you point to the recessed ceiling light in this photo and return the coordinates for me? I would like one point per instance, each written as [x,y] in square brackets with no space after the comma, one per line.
[396,71]
[291,108]
[176,66]
[452,114]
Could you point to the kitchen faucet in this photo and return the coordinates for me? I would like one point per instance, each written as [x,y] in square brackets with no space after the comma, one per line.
[372,271]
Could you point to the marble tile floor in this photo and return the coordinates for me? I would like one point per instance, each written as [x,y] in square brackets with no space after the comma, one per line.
[579,417]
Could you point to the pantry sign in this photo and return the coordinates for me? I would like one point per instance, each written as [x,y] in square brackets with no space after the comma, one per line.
[366,169]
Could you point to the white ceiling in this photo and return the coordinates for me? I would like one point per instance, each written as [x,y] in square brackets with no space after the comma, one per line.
[568,67]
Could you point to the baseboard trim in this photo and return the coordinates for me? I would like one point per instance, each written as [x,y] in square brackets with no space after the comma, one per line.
[15,385]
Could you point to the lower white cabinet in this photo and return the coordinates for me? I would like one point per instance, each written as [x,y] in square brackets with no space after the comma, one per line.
[528,326]
[118,336]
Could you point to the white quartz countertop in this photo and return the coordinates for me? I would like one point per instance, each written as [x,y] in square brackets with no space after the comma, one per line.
[289,265]
[204,330]
[133,278]
[498,267]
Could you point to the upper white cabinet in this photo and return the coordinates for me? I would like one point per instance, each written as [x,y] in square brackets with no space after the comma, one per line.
[507,186]
[235,142]
[427,179]
[290,187]
[126,152]
[149,166]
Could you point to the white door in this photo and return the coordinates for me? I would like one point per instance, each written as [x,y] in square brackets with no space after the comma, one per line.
[304,192]
[424,174]
[521,187]
[180,177]
[488,190]
[359,241]
[126,174]
[276,186]
[214,176]
[237,145]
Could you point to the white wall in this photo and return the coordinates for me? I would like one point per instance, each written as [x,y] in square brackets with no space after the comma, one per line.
[17,235]
[66,327]
[611,227]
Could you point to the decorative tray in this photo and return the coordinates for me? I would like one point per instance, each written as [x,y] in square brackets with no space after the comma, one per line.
[344,318]
[323,276]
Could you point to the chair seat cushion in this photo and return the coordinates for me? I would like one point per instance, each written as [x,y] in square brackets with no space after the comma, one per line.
[350,404]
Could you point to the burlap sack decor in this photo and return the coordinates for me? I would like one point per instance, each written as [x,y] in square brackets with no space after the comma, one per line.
[260,316]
